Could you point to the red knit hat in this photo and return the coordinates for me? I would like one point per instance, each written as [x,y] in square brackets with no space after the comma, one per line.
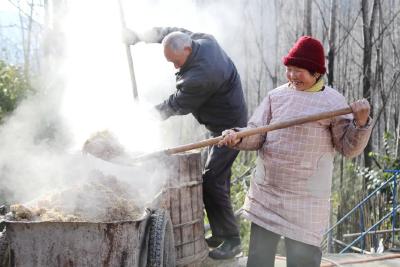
[307,53]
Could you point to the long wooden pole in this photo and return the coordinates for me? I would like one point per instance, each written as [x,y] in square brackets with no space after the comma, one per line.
[128,54]
[249,132]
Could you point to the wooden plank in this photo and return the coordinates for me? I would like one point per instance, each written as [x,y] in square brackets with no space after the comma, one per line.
[197,202]
[174,176]
[165,201]
[195,213]
[195,175]
[176,218]
[199,227]
[186,208]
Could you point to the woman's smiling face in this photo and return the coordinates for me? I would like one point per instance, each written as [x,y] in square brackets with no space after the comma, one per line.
[300,78]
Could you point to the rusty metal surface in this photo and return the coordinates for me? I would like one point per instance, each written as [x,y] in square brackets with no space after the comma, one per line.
[78,243]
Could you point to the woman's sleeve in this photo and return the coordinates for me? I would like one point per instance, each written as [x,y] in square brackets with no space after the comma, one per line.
[261,117]
[349,139]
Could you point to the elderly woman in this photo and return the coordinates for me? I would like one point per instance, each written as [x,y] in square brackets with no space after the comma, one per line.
[290,189]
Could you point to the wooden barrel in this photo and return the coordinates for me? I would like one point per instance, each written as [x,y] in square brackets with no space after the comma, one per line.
[121,243]
[183,198]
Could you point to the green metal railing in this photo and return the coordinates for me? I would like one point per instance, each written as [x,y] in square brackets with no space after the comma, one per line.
[395,208]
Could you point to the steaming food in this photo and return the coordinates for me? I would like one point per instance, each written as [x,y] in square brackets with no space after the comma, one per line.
[104,145]
[22,212]
[102,199]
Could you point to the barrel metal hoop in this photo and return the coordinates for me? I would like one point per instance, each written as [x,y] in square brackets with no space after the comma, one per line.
[187,223]
[189,241]
[187,184]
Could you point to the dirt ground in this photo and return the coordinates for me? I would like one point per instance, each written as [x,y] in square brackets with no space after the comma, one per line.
[328,260]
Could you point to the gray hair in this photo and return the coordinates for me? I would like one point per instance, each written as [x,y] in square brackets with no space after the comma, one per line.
[177,41]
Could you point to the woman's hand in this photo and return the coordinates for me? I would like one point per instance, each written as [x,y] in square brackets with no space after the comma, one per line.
[230,139]
[361,110]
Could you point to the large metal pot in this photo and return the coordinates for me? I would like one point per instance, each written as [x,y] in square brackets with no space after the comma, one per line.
[123,243]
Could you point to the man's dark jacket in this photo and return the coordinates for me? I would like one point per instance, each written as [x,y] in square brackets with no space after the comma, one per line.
[208,85]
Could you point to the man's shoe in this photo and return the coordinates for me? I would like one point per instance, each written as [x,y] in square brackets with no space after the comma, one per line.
[214,241]
[229,249]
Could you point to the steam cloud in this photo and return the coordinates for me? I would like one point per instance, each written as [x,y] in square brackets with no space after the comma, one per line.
[40,143]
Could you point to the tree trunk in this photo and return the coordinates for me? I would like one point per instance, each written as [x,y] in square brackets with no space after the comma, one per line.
[274,77]
[368,30]
[307,17]
[28,43]
[332,41]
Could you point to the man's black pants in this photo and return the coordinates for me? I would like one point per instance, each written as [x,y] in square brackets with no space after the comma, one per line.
[262,249]
[216,191]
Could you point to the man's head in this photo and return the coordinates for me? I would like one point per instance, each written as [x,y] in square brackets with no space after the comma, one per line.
[177,48]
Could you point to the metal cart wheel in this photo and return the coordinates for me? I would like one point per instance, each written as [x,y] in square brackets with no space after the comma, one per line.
[161,251]
[4,258]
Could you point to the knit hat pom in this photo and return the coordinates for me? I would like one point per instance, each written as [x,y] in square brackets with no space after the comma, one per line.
[307,53]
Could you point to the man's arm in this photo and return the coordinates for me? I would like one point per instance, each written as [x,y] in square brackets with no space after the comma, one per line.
[154,35]
[184,101]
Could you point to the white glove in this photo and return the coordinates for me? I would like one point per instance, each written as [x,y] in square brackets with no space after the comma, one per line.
[130,37]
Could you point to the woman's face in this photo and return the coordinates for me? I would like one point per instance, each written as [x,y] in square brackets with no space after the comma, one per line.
[301,79]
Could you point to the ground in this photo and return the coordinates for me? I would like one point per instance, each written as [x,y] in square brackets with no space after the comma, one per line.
[329,260]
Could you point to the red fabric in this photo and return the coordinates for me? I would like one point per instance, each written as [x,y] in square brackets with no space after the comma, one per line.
[307,53]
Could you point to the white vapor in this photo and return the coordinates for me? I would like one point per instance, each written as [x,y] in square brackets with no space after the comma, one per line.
[41,142]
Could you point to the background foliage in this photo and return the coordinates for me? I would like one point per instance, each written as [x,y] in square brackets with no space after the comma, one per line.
[13,88]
